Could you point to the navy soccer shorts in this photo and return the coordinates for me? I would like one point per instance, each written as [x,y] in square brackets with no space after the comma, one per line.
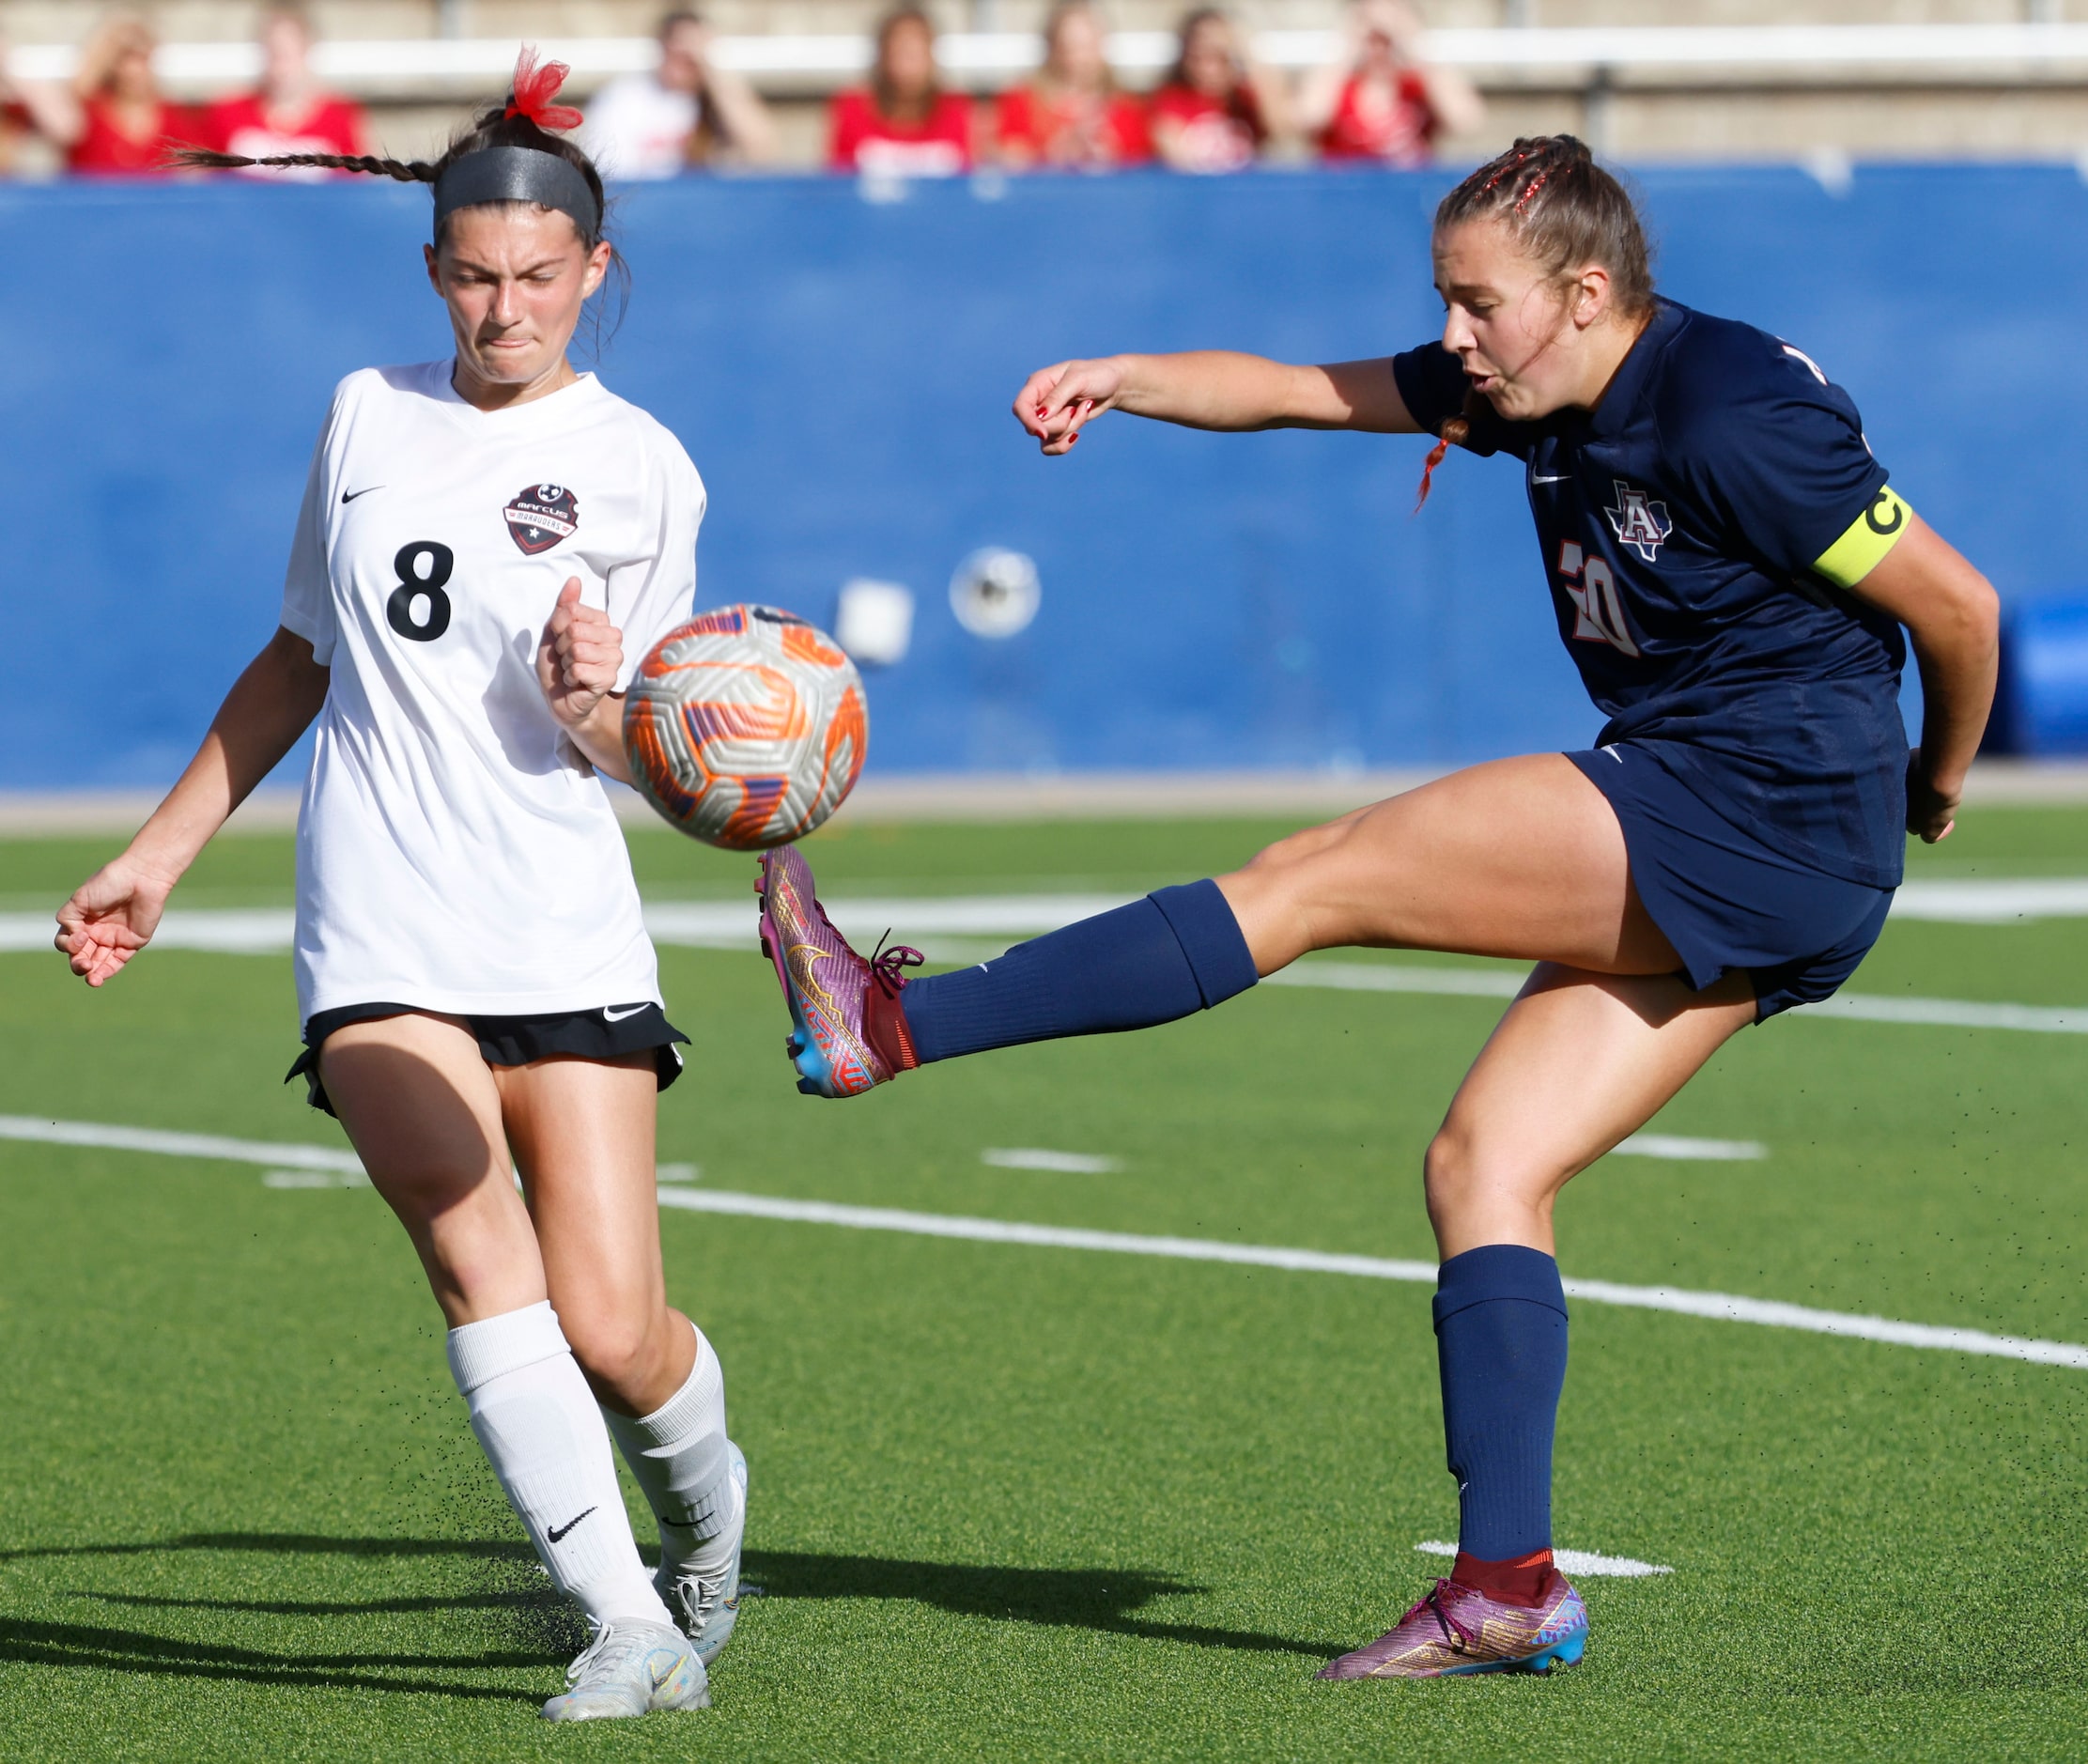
[1725,899]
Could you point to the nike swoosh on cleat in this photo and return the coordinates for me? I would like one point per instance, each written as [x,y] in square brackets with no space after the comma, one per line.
[558,1532]
[349,496]
[617,1016]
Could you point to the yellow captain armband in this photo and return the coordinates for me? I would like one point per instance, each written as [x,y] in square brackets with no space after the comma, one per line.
[1870,535]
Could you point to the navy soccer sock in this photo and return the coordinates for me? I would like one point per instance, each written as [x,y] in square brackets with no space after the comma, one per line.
[1500,1328]
[1174,953]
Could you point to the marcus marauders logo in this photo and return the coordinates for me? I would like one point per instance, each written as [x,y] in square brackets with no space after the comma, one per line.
[1639,523]
[542,516]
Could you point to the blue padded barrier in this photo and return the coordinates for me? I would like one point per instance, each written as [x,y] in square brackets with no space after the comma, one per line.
[840,370]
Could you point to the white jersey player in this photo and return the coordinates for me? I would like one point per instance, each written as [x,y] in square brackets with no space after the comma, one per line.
[487,546]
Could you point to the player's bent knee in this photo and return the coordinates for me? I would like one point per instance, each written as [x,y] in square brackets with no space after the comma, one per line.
[616,1350]
[1463,1169]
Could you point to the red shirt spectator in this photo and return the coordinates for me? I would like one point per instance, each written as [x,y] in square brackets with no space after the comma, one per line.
[107,147]
[865,139]
[1392,127]
[246,126]
[1071,113]
[1210,134]
[291,113]
[1071,129]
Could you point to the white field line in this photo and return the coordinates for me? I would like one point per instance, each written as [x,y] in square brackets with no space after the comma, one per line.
[1035,1158]
[1675,1145]
[1722,1306]
[730,925]
[1578,1563]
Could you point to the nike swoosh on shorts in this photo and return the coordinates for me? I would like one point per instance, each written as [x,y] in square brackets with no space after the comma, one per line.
[617,1016]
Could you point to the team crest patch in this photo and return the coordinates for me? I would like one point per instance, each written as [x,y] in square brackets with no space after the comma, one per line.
[542,516]
[1638,521]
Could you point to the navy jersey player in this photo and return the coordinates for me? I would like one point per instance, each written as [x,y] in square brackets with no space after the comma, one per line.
[1731,573]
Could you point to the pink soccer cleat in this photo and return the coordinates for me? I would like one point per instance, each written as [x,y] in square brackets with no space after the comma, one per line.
[849,1031]
[1456,1630]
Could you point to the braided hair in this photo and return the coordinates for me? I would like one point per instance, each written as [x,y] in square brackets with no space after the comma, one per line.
[1564,211]
[526,118]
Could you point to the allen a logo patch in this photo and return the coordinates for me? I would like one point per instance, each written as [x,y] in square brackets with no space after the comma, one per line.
[1639,522]
[542,516]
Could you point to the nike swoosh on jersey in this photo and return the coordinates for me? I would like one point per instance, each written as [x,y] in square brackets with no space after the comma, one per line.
[617,1016]
[349,496]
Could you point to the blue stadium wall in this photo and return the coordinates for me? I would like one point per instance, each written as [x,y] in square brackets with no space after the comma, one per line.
[840,370]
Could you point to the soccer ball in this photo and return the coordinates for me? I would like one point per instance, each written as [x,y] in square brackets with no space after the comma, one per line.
[746,727]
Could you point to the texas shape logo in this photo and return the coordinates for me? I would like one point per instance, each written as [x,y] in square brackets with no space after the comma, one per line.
[1638,522]
[542,516]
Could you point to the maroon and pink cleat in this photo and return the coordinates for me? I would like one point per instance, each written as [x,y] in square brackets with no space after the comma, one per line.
[1455,1630]
[849,1031]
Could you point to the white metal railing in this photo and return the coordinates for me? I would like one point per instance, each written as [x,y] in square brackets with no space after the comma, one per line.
[1925,52]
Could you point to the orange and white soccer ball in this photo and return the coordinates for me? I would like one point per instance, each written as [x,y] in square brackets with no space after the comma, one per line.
[746,727]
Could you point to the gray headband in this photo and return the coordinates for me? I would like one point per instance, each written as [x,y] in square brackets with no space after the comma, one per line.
[517,174]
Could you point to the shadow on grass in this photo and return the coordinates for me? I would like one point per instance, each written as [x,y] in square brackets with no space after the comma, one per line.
[81,1645]
[1080,1598]
[291,1543]
[95,1649]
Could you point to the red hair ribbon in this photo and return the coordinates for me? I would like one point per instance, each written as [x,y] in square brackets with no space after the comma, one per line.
[534,88]
[1436,456]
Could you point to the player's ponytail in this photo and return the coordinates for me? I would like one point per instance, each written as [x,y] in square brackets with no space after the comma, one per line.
[1566,211]
[528,118]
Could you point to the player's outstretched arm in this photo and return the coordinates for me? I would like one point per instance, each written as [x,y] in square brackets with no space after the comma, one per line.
[1213,389]
[1953,615]
[113,914]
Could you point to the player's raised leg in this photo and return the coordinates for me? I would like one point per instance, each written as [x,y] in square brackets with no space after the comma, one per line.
[1579,1061]
[424,1114]
[583,1134]
[1517,857]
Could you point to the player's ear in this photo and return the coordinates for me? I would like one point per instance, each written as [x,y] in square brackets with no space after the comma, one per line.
[1591,296]
[599,262]
[433,274]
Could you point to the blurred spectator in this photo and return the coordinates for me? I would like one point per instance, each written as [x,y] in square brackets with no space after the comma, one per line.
[16,125]
[1385,103]
[686,112]
[111,121]
[1071,115]
[1216,111]
[290,113]
[905,125]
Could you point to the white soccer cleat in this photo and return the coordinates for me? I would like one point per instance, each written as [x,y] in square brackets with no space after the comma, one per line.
[707,1605]
[631,1669]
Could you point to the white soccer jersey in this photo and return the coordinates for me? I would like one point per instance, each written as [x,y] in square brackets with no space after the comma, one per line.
[455,852]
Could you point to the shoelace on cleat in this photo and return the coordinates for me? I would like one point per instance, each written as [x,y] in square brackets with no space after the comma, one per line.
[1454,1633]
[885,965]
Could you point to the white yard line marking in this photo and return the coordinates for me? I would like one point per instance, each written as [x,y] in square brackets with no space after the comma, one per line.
[1999,900]
[1675,1145]
[1035,1158]
[302,1157]
[1578,1563]
[1721,1306]
[1724,1307]
[730,925]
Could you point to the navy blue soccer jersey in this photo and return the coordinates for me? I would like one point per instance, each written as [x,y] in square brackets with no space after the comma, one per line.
[1700,530]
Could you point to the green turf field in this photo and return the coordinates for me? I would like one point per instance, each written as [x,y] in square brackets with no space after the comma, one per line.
[1045,1503]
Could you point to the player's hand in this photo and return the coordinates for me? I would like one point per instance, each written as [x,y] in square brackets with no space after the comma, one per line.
[1930,813]
[1056,403]
[110,918]
[579,659]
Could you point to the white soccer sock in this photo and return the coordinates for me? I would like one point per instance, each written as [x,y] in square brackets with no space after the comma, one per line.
[536,1418]
[678,1454]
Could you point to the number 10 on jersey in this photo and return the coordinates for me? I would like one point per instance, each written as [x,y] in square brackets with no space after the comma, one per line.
[1592,587]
